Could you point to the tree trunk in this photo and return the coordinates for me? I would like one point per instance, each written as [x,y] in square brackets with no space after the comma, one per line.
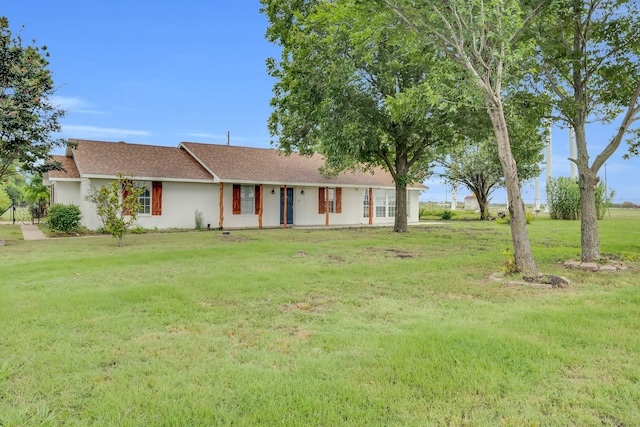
[589,236]
[519,234]
[400,224]
[587,181]
[400,180]
[482,199]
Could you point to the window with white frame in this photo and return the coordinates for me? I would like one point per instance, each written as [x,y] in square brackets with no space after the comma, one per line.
[391,203]
[385,203]
[247,198]
[145,197]
[332,200]
[366,204]
[408,205]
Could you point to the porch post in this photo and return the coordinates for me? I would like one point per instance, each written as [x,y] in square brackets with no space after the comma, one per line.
[221,206]
[284,207]
[260,207]
[370,206]
[326,206]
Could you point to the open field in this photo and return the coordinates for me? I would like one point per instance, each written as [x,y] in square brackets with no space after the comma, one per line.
[365,327]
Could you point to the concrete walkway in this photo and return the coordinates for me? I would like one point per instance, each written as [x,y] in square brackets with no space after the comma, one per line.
[32,232]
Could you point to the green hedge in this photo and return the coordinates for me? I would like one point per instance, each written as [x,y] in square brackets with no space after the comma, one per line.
[64,218]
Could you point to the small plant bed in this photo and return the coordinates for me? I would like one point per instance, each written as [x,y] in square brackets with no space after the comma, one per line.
[600,265]
[549,281]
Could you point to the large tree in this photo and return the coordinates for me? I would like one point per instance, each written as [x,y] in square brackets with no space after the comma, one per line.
[355,86]
[27,116]
[475,163]
[589,62]
[486,39]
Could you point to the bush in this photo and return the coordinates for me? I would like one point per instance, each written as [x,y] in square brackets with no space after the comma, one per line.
[447,214]
[199,220]
[563,197]
[64,218]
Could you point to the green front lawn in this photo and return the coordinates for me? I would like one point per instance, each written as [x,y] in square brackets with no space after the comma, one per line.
[317,327]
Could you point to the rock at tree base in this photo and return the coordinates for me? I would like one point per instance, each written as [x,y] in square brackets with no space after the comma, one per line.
[548,279]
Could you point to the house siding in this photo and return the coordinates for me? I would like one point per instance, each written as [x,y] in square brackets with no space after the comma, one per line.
[180,200]
[67,192]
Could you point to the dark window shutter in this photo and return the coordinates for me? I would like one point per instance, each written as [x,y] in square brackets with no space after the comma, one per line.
[125,195]
[339,200]
[156,198]
[236,200]
[321,200]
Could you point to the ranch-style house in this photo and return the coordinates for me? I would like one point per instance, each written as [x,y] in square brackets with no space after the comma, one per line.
[230,186]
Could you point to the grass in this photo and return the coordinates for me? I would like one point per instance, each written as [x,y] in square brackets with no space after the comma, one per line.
[366,327]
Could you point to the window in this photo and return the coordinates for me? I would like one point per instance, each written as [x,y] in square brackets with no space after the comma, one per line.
[385,204]
[365,205]
[145,197]
[246,199]
[332,200]
[381,204]
[391,203]
[332,196]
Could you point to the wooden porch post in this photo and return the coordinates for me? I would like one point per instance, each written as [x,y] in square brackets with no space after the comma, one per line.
[221,206]
[284,206]
[370,206]
[260,207]
[326,206]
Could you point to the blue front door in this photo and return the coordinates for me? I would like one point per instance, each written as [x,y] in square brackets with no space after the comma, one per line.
[289,205]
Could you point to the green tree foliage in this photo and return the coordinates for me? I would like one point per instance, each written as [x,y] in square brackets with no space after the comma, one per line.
[475,163]
[487,42]
[27,117]
[35,191]
[64,218]
[12,187]
[357,87]
[117,205]
[588,53]
[476,166]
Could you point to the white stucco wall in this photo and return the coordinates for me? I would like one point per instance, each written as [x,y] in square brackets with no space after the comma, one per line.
[67,192]
[180,200]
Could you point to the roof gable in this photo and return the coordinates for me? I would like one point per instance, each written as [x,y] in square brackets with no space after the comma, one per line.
[150,161]
[70,170]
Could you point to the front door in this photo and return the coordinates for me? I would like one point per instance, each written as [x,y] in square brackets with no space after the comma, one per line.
[289,205]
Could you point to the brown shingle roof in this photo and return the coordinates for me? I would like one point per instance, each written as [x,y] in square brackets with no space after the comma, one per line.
[70,169]
[112,158]
[232,163]
[197,161]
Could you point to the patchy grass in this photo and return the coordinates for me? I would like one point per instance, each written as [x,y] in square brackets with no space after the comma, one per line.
[316,327]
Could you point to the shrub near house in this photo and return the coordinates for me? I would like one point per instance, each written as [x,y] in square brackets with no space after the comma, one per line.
[64,218]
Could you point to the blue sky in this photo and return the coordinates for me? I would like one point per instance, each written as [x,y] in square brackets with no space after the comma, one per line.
[161,72]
